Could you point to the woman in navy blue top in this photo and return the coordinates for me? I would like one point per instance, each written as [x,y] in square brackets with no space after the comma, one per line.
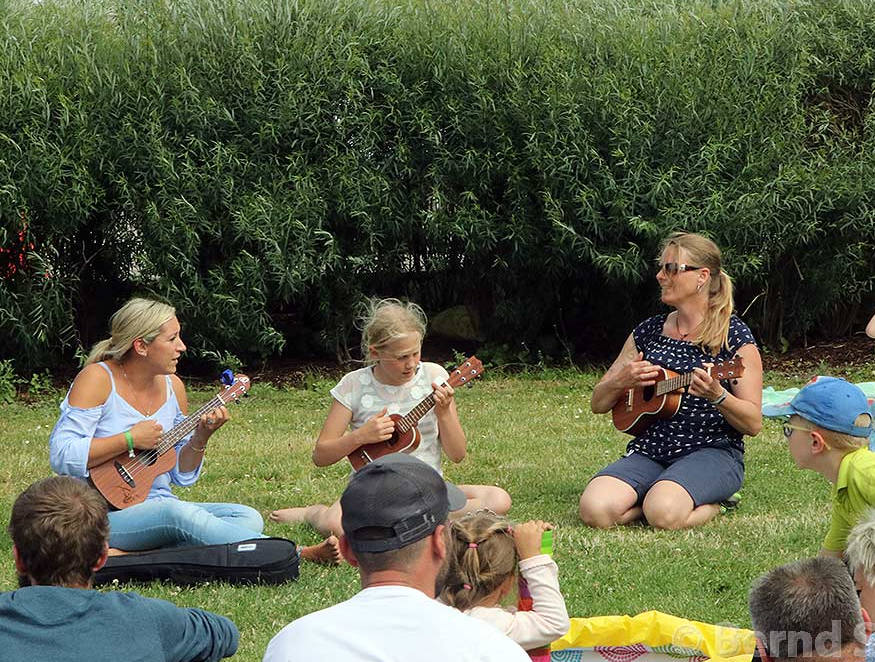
[678,470]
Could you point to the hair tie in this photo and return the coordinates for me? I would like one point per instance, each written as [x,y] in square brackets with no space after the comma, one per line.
[467,587]
[472,545]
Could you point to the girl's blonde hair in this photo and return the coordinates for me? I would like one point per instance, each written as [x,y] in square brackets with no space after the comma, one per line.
[384,321]
[138,318]
[482,556]
[713,333]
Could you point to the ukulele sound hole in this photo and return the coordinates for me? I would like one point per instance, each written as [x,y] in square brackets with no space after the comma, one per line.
[647,393]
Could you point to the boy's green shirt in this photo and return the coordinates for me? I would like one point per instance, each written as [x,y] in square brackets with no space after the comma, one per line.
[852,495]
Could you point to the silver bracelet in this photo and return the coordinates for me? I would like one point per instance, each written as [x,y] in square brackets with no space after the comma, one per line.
[720,398]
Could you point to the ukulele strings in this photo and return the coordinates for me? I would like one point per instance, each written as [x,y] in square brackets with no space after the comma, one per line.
[674,383]
[169,439]
[412,417]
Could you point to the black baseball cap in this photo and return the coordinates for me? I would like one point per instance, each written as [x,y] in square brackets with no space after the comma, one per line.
[395,501]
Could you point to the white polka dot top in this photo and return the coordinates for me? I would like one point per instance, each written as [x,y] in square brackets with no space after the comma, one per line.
[364,395]
[698,423]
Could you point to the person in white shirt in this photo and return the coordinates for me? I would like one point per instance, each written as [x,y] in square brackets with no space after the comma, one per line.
[395,513]
[487,551]
[394,382]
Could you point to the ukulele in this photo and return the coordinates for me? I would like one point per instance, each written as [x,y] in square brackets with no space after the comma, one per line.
[125,480]
[406,436]
[635,411]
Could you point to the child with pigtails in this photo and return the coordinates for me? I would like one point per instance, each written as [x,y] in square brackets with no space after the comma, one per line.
[487,553]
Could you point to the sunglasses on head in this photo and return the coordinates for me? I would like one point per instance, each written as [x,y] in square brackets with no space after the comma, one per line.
[672,268]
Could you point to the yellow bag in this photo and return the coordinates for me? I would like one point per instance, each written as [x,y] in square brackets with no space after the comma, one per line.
[650,637]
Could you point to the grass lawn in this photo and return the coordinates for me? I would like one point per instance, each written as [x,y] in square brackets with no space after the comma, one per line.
[532,435]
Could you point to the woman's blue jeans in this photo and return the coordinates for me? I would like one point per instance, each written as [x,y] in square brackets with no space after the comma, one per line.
[165,522]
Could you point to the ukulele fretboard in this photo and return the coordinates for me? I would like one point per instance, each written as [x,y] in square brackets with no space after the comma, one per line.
[172,437]
[674,383]
[415,415]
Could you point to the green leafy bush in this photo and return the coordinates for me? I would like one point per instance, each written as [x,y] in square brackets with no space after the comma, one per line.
[265,165]
[8,383]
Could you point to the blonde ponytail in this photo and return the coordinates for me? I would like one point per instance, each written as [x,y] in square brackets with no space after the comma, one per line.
[138,318]
[713,333]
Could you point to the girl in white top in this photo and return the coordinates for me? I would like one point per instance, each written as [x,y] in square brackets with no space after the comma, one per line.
[393,383]
[483,571]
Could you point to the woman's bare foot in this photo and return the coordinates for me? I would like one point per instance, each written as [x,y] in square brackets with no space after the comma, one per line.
[296,515]
[327,551]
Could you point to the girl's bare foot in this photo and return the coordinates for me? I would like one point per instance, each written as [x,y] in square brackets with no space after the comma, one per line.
[295,515]
[327,551]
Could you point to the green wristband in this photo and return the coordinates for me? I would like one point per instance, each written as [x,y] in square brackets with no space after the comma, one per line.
[130,439]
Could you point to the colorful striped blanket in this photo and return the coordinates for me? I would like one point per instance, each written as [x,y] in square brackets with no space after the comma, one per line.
[651,637]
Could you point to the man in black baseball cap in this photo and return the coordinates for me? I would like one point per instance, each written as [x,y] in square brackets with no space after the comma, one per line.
[394,502]
[395,511]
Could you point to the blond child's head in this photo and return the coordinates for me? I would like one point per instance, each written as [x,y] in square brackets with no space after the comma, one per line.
[836,409]
[483,557]
[860,553]
[385,321]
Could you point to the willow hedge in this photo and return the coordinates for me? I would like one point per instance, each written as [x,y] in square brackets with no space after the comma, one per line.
[264,165]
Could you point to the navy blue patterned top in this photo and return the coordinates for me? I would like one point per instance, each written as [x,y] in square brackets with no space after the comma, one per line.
[697,423]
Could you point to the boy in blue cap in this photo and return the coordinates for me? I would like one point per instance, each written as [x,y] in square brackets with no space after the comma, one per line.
[828,432]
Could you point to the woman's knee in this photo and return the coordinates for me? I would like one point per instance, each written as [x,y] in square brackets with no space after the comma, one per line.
[669,518]
[250,518]
[596,513]
[604,502]
[234,513]
[599,511]
[668,507]
[485,496]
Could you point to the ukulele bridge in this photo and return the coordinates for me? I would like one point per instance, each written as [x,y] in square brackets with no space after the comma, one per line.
[125,475]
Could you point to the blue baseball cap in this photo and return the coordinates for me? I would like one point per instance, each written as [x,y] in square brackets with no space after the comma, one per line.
[830,403]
